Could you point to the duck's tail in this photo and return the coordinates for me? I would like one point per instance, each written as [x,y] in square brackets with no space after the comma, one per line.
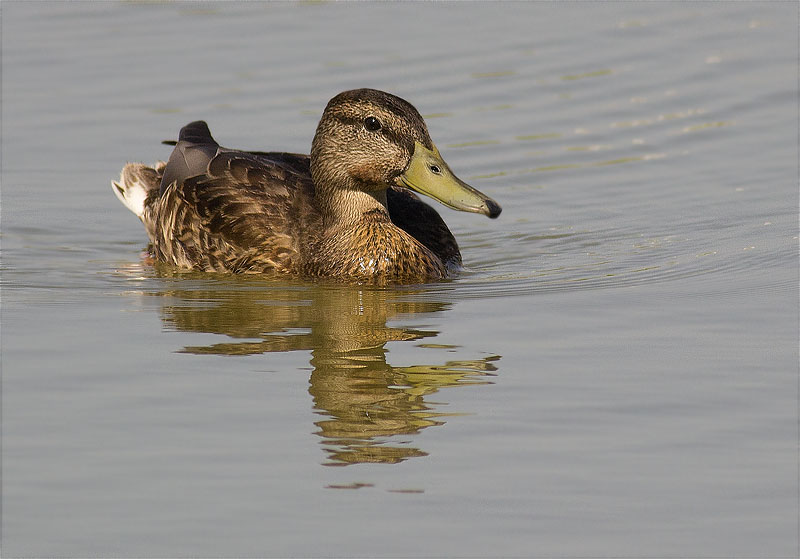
[136,183]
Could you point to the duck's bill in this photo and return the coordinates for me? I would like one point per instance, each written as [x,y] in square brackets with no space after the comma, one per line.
[428,174]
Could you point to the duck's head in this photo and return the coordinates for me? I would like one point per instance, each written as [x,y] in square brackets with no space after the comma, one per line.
[368,140]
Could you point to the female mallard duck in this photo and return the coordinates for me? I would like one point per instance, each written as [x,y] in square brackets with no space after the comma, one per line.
[343,212]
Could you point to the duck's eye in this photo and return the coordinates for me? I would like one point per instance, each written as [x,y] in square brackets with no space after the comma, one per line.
[435,170]
[372,124]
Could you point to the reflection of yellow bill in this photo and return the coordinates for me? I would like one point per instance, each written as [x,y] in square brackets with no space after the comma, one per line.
[426,379]
[428,174]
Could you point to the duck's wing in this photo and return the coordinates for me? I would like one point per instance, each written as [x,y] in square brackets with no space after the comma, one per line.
[422,222]
[229,210]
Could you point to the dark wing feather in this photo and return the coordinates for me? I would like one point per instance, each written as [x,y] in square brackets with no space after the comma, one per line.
[422,222]
[298,162]
[192,153]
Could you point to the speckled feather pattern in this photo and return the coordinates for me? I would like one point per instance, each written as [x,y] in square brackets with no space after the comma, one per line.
[384,251]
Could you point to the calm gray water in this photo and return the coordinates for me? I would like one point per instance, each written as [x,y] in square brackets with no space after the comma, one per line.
[615,373]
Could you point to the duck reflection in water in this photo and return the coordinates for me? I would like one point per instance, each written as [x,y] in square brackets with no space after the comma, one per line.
[367,404]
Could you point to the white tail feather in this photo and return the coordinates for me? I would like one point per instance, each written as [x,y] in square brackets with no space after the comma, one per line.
[133,186]
[132,196]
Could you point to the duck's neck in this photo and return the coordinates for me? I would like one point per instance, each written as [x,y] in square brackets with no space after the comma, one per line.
[345,208]
[342,201]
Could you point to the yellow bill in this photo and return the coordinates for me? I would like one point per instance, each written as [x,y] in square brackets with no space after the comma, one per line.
[428,174]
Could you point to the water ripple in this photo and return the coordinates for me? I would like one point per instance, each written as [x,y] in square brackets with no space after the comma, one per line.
[571,261]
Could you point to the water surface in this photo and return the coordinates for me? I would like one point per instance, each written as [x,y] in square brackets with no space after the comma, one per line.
[614,373]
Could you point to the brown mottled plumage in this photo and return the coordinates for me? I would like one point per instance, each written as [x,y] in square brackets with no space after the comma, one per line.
[341,212]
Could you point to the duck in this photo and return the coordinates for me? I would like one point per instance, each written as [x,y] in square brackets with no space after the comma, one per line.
[350,210]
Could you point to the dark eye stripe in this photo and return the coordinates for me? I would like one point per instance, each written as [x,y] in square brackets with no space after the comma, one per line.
[387,132]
